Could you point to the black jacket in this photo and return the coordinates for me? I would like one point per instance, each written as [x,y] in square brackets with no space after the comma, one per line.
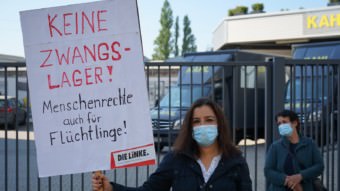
[181,172]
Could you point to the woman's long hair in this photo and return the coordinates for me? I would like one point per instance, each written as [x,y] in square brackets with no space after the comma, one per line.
[185,142]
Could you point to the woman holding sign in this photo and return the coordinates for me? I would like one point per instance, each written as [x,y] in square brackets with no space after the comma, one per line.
[204,157]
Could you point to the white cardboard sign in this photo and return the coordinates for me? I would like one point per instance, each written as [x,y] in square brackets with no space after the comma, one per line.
[87,87]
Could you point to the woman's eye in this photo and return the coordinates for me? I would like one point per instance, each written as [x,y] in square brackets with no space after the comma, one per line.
[195,121]
[210,120]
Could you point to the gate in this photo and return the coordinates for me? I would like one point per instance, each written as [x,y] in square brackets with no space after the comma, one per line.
[249,92]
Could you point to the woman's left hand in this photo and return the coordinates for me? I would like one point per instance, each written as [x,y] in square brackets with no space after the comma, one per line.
[298,187]
[293,180]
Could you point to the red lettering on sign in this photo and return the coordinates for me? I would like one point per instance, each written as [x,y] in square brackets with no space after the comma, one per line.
[76,81]
[63,56]
[116,55]
[44,64]
[79,77]
[80,22]
[66,24]
[50,86]
[90,24]
[81,54]
[76,54]
[51,26]
[64,79]
[105,55]
[100,20]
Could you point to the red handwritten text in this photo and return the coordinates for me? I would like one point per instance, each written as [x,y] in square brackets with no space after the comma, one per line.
[81,54]
[75,78]
[76,23]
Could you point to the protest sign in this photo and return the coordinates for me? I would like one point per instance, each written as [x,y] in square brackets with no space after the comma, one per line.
[87,87]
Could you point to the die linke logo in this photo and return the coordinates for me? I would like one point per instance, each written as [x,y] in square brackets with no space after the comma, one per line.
[133,157]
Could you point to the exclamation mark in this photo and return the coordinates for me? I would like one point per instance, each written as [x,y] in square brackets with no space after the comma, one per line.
[109,68]
[124,125]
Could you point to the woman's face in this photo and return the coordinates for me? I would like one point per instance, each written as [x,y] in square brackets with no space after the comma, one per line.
[204,123]
[282,120]
[203,115]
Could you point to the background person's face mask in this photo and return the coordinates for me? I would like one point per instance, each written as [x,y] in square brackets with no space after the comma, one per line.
[285,129]
[205,135]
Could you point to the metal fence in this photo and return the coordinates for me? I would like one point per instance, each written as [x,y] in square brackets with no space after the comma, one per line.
[312,91]
[250,94]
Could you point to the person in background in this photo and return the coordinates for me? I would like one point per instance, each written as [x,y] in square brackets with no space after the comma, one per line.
[293,161]
[203,157]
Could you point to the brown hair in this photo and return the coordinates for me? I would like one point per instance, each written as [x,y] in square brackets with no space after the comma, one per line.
[185,142]
[292,117]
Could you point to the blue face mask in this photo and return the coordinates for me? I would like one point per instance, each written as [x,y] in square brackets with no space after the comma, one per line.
[205,135]
[285,129]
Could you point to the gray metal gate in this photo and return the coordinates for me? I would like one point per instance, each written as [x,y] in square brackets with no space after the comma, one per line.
[312,91]
[249,92]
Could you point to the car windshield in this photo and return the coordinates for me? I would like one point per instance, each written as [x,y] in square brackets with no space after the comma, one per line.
[173,97]
[304,87]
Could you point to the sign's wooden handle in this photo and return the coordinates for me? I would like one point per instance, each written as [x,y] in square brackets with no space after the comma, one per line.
[99,173]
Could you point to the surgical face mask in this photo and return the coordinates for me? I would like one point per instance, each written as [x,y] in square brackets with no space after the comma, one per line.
[205,135]
[285,129]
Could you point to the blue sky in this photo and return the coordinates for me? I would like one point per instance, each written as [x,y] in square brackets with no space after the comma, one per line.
[204,15]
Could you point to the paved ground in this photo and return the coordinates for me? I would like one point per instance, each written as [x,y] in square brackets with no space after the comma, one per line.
[21,153]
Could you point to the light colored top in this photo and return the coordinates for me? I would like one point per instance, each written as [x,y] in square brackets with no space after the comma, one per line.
[208,172]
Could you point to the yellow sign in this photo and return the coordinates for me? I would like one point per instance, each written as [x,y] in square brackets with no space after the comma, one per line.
[323,21]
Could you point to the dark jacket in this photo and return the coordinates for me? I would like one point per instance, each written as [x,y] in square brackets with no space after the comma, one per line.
[306,152]
[181,172]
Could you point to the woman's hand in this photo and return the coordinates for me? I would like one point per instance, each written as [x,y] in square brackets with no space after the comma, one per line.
[298,187]
[292,181]
[100,182]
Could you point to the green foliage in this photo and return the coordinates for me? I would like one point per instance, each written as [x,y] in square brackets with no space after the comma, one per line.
[166,42]
[188,44]
[257,7]
[334,1]
[163,42]
[239,10]
[231,12]
[176,51]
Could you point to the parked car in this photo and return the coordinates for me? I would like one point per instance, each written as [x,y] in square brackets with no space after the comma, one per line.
[11,113]
[195,81]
